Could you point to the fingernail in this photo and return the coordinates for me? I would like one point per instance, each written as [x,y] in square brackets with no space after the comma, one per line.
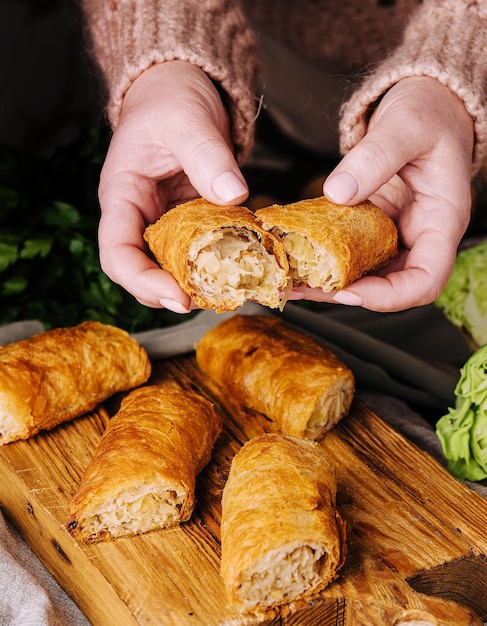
[172,305]
[348,297]
[341,187]
[228,187]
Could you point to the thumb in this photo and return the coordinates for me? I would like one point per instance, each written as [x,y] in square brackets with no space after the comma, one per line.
[369,165]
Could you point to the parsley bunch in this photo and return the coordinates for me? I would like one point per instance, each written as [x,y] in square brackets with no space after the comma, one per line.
[49,266]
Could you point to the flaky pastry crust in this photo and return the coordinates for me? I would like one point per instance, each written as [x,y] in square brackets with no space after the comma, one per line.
[220,256]
[282,537]
[277,371]
[143,472]
[328,245]
[62,373]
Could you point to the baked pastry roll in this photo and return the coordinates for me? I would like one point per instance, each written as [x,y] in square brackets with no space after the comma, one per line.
[220,256]
[62,373]
[330,246]
[142,475]
[282,538]
[282,373]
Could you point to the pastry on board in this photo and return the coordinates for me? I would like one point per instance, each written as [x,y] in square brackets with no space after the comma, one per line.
[282,537]
[280,372]
[328,245]
[143,472]
[220,256]
[62,373]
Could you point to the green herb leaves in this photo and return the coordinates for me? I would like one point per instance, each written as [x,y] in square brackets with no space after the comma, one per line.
[49,266]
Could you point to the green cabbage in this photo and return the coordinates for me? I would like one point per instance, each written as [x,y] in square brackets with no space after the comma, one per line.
[464,299]
[463,431]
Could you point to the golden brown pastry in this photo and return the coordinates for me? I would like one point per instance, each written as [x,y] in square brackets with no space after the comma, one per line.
[62,373]
[282,537]
[143,472]
[330,246]
[282,373]
[220,256]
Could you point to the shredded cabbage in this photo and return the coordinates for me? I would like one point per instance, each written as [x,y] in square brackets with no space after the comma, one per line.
[464,299]
[463,430]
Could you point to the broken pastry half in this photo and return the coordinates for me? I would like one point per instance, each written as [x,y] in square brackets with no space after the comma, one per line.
[143,472]
[328,245]
[62,373]
[220,256]
[284,374]
[282,538]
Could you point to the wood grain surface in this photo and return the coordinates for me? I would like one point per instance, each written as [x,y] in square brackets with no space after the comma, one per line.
[408,521]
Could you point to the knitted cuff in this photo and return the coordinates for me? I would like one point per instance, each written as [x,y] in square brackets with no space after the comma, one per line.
[130,36]
[446,41]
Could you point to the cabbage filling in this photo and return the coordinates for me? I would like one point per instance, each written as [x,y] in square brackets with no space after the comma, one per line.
[281,577]
[134,512]
[309,264]
[234,263]
[329,409]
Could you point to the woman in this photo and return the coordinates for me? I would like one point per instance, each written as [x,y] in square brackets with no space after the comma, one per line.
[184,81]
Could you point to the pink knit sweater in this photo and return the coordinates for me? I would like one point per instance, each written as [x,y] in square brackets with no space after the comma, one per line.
[374,42]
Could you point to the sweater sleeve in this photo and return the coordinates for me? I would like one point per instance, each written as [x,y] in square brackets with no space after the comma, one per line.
[129,36]
[446,40]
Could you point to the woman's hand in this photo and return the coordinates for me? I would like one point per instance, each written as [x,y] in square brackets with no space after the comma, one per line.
[415,163]
[172,144]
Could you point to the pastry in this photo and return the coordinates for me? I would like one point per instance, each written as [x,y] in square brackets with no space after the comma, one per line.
[329,246]
[282,538]
[220,256]
[143,472]
[62,373]
[277,371]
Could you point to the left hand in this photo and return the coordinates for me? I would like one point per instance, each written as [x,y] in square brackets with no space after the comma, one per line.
[415,163]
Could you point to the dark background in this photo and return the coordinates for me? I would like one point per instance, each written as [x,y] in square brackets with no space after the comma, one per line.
[49,92]
[48,89]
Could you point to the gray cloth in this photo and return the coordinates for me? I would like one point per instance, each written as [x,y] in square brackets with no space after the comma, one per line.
[406,364]
[30,596]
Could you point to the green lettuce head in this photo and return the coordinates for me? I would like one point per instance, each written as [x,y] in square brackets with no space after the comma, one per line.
[463,431]
[464,299]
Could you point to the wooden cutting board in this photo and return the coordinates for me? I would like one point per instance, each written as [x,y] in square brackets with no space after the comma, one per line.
[407,520]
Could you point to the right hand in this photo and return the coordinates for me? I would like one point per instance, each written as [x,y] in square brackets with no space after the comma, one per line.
[172,144]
